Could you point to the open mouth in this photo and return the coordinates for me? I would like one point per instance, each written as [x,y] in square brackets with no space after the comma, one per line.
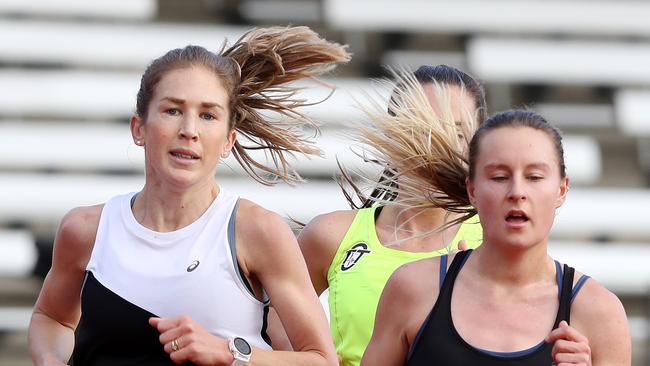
[181,154]
[516,217]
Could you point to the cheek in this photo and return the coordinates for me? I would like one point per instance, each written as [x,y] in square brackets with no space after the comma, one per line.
[486,198]
[548,205]
[160,131]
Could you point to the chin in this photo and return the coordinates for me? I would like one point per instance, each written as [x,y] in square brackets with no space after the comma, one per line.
[523,242]
[183,179]
[516,241]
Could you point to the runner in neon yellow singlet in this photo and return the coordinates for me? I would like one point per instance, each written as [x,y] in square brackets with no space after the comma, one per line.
[353,252]
[358,274]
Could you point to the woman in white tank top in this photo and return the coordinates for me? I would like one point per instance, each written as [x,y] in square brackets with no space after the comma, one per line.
[182,272]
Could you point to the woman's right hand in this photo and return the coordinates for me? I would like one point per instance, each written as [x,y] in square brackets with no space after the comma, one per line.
[185,340]
[570,347]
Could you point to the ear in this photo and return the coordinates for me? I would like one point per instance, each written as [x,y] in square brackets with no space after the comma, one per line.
[469,184]
[562,191]
[232,138]
[136,124]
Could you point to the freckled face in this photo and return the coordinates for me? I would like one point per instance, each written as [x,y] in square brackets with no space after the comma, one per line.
[517,186]
[186,129]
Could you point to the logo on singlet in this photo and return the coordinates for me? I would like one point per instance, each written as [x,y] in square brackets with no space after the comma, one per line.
[353,255]
[193,266]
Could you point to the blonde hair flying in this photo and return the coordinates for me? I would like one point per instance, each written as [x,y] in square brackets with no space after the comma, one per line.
[423,153]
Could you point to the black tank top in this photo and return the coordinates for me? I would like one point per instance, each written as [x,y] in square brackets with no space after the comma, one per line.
[438,342]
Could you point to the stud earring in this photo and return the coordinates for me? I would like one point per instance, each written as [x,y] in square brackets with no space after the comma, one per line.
[138,142]
[225,154]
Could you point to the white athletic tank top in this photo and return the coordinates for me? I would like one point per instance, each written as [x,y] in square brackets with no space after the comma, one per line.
[192,271]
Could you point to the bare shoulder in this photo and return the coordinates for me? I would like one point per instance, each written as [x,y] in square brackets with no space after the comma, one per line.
[414,281]
[324,233]
[59,298]
[264,239]
[258,225]
[595,304]
[412,290]
[76,234]
[600,316]
[407,299]
[332,225]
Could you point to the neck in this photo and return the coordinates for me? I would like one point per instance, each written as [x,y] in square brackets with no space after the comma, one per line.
[513,266]
[164,209]
[410,222]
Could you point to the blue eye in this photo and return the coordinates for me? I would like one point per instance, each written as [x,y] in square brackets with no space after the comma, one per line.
[208,116]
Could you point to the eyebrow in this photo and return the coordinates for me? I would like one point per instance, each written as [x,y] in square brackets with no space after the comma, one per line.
[496,166]
[203,104]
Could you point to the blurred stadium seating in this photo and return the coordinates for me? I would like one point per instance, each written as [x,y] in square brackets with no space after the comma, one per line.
[70,69]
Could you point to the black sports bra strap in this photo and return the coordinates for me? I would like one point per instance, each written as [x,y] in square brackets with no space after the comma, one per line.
[454,269]
[564,313]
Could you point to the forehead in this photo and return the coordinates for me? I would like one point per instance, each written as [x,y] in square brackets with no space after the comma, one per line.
[460,100]
[516,145]
[191,83]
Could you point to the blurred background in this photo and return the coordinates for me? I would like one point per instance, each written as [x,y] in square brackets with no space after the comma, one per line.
[70,69]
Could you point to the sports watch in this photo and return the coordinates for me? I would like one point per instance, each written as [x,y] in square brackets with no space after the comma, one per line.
[241,351]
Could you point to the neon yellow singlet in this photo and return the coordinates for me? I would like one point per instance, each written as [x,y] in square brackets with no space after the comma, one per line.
[358,274]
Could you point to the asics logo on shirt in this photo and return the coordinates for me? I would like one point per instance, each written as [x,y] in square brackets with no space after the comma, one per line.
[354,254]
[193,266]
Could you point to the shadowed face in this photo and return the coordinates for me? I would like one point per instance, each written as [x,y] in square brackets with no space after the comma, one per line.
[459,106]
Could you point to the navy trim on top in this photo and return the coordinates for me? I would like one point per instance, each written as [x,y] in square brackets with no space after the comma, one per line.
[443,269]
[418,336]
[579,285]
[443,274]
[524,352]
[559,277]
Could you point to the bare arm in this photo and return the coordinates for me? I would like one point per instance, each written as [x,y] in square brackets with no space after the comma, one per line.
[404,305]
[318,241]
[599,315]
[280,266]
[58,308]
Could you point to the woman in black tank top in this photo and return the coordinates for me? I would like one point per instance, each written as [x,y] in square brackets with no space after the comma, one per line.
[506,303]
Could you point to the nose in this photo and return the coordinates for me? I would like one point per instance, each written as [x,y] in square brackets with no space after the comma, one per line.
[188,128]
[517,190]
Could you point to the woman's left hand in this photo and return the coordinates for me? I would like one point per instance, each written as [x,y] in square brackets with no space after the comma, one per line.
[185,340]
[570,346]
